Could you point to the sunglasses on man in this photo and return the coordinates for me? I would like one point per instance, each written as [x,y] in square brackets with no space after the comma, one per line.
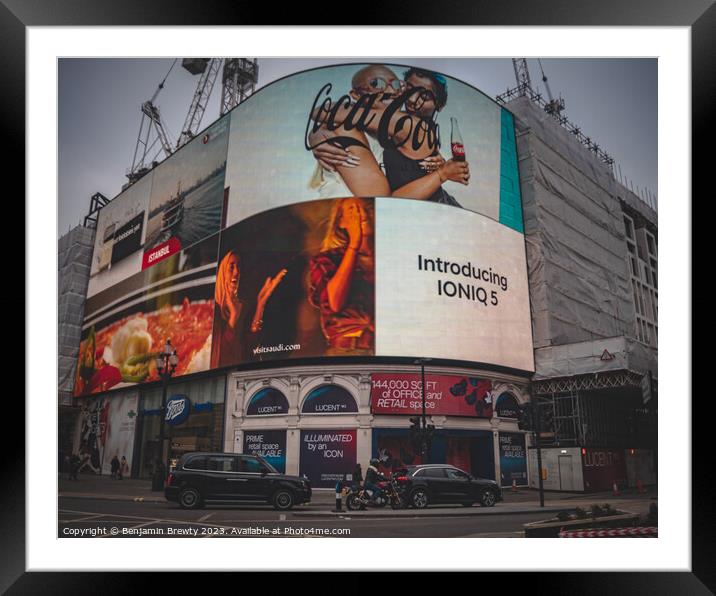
[423,95]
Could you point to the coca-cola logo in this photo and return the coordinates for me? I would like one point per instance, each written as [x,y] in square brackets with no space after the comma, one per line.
[325,113]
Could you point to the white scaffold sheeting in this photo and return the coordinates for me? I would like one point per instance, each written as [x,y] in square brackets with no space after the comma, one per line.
[74,256]
[580,286]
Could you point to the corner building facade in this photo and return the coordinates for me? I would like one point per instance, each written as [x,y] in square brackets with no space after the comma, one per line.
[320,421]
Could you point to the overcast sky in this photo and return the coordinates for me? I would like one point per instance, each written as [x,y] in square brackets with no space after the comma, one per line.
[613,101]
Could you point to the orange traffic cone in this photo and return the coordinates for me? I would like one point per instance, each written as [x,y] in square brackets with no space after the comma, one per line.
[639,486]
[615,489]
[514,485]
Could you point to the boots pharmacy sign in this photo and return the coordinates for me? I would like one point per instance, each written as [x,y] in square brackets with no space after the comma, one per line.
[177,409]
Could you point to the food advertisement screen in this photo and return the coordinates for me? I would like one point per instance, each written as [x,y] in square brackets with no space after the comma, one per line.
[333,213]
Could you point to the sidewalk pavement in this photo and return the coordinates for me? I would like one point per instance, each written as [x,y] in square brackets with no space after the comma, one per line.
[323,502]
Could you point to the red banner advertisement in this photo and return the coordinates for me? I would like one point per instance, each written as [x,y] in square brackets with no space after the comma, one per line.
[445,395]
[161,252]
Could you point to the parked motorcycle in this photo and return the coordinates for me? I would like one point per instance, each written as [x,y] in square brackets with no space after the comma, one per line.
[360,498]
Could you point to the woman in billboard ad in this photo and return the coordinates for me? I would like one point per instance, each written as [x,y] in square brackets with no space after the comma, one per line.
[295,282]
[342,279]
[234,322]
[401,116]
[366,130]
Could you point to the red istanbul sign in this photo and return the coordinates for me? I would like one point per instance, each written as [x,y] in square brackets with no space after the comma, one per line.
[445,395]
[161,252]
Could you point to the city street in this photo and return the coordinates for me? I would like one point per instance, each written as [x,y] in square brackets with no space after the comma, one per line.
[133,510]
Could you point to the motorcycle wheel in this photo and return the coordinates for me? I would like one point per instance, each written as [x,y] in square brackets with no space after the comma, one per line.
[354,504]
[397,505]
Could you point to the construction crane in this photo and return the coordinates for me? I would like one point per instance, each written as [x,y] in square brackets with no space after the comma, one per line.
[239,78]
[208,68]
[239,81]
[524,85]
[151,131]
[522,74]
[554,106]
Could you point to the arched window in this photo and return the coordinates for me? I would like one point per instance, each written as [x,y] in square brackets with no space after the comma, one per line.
[507,406]
[329,399]
[266,401]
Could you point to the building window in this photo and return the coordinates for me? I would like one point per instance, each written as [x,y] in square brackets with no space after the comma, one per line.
[267,401]
[642,265]
[329,399]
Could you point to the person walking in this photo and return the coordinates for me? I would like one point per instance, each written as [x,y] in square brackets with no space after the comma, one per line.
[114,465]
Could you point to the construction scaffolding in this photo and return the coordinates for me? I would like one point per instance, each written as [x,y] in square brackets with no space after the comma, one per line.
[595,411]
[524,90]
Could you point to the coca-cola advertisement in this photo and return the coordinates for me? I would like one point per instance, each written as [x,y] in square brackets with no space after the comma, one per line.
[373,130]
[445,395]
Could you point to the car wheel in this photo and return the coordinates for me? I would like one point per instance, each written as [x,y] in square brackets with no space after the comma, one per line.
[189,498]
[488,499]
[467,504]
[419,499]
[282,499]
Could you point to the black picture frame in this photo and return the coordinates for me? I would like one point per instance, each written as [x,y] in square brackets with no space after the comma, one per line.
[700,15]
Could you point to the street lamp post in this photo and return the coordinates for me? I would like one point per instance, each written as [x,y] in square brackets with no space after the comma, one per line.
[423,418]
[536,430]
[166,362]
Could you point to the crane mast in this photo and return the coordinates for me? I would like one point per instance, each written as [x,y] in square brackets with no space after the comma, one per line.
[522,74]
[554,106]
[239,80]
[152,131]
[204,87]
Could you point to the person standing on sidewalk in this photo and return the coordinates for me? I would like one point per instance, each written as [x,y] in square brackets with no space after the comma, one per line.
[114,464]
[123,468]
[74,466]
[358,475]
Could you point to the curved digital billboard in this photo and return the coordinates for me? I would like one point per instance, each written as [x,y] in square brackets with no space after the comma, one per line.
[373,130]
[282,232]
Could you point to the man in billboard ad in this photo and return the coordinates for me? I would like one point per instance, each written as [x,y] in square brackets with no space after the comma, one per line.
[366,130]
[187,195]
[401,116]
[327,456]
[297,282]
[127,325]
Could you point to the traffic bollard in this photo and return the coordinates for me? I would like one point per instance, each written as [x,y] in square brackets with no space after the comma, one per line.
[339,488]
